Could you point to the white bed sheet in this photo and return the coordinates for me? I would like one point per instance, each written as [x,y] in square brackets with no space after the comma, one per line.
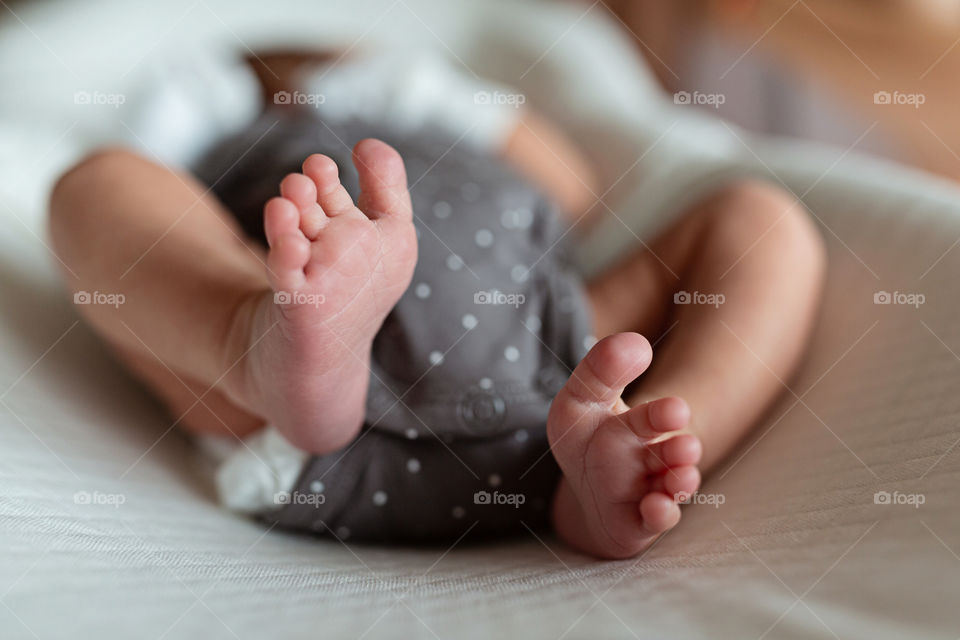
[799,549]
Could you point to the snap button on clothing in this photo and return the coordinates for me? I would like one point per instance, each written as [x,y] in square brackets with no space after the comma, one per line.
[482,411]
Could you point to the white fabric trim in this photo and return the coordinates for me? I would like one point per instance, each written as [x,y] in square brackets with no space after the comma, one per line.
[259,473]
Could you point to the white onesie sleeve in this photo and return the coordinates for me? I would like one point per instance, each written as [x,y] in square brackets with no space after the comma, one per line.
[411,91]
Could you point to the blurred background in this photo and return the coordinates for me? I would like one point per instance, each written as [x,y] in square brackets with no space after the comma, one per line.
[822,69]
[878,74]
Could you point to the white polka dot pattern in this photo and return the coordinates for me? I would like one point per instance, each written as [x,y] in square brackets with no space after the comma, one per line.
[483,238]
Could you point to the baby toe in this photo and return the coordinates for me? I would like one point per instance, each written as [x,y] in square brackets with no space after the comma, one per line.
[607,369]
[383,181]
[680,482]
[331,195]
[669,414]
[683,449]
[285,262]
[659,512]
[280,218]
[302,191]
[652,419]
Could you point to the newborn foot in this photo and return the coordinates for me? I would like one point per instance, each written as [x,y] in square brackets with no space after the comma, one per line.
[617,493]
[336,270]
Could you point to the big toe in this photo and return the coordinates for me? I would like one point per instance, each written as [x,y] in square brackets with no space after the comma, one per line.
[383,180]
[594,389]
[607,369]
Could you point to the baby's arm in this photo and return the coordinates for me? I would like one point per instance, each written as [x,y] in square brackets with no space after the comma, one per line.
[549,159]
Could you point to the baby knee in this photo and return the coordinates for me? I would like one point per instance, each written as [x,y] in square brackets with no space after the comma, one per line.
[82,176]
[96,164]
[752,214]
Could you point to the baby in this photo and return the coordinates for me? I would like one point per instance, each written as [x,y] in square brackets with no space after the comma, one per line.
[429,344]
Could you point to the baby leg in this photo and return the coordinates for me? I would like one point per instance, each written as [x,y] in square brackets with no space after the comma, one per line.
[729,296]
[281,335]
[124,225]
[746,266]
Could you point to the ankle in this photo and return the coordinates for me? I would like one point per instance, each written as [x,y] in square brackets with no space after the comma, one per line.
[241,333]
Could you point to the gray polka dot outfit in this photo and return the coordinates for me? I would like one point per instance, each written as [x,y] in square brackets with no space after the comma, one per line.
[464,367]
